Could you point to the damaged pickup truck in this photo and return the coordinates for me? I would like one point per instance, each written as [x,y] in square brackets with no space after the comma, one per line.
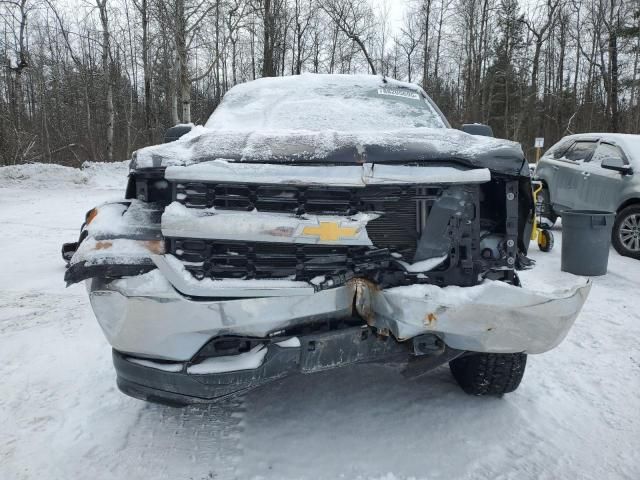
[317,221]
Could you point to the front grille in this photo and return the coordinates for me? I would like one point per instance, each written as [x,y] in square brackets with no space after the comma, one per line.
[294,199]
[261,260]
[404,209]
[403,214]
[268,198]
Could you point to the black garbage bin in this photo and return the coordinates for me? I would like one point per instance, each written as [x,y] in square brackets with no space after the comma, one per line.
[586,236]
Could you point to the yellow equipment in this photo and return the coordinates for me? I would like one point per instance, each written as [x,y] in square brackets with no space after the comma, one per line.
[543,237]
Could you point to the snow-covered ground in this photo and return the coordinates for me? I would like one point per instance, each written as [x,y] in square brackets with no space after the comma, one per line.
[576,414]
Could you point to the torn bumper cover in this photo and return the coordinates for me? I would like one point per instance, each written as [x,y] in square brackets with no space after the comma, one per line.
[492,317]
[182,382]
[158,335]
[146,316]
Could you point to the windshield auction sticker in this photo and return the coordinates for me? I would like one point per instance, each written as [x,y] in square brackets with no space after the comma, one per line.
[399,92]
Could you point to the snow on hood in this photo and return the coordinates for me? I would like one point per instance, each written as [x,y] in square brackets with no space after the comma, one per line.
[330,118]
[202,145]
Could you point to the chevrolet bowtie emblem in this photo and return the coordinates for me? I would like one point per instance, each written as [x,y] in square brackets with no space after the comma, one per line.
[330,231]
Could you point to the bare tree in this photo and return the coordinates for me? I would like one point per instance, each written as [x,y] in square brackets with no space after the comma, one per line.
[304,12]
[143,9]
[107,77]
[19,12]
[540,28]
[425,14]
[353,18]
[409,40]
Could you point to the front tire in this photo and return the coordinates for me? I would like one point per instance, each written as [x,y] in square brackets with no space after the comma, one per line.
[489,373]
[626,232]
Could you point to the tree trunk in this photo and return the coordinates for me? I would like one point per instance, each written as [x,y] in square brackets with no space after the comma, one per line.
[218,93]
[146,67]
[425,54]
[268,67]
[108,83]
[438,41]
[45,125]
[184,84]
[366,54]
[614,86]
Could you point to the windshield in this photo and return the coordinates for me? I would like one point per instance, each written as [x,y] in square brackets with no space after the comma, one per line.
[343,103]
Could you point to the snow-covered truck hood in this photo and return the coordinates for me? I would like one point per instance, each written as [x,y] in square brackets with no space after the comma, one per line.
[331,119]
[333,147]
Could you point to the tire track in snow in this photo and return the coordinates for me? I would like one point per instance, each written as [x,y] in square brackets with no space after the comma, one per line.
[20,310]
[120,437]
[197,442]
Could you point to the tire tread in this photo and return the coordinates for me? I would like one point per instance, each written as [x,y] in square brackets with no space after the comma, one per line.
[489,373]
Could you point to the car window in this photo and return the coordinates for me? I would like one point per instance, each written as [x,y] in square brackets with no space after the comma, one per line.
[581,151]
[558,150]
[606,150]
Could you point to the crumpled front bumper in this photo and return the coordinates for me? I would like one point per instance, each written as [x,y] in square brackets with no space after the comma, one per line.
[492,317]
[146,316]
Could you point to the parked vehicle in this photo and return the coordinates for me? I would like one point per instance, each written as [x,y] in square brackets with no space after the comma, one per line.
[317,221]
[595,171]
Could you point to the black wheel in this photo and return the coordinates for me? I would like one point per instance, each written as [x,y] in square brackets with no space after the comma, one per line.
[545,240]
[626,232]
[545,210]
[489,373]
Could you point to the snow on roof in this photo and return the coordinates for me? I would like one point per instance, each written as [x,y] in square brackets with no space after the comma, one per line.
[321,101]
[314,116]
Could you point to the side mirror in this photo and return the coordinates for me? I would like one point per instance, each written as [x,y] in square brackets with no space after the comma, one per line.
[477,129]
[175,132]
[617,165]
